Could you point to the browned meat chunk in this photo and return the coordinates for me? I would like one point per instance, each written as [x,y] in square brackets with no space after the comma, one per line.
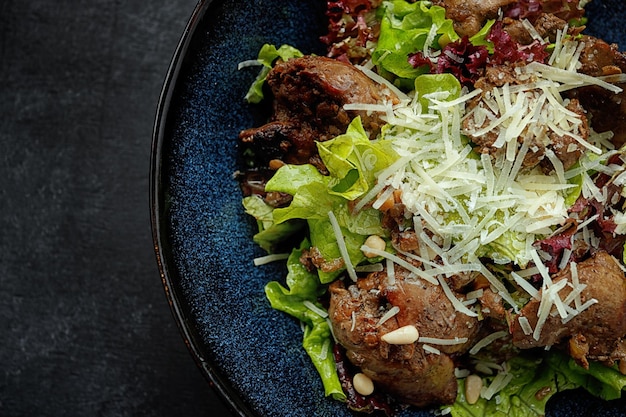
[492,305]
[308,98]
[599,58]
[408,372]
[607,110]
[596,332]
[567,149]
[546,25]
[469,16]
[284,140]
[314,89]
[540,138]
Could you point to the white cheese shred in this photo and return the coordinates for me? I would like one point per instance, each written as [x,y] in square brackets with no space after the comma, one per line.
[388,315]
[262,260]
[525,325]
[458,305]
[526,286]
[406,265]
[486,341]
[343,250]
[249,63]
[325,349]
[317,310]
[500,381]
[431,349]
[391,272]
[442,342]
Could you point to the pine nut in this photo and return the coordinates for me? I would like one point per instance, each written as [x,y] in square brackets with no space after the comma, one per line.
[363,384]
[622,366]
[274,164]
[473,386]
[374,242]
[397,196]
[402,336]
[387,204]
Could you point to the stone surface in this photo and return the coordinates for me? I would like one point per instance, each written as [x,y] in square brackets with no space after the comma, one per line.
[86,329]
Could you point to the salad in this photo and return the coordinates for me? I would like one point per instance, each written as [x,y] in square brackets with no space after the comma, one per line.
[446,188]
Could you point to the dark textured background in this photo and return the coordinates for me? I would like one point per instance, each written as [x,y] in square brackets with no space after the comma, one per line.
[86,329]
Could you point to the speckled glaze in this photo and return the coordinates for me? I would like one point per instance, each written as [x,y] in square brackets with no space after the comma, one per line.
[202,237]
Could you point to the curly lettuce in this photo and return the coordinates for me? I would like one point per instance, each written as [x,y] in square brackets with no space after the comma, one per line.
[534,381]
[352,161]
[302,291]
[267,57]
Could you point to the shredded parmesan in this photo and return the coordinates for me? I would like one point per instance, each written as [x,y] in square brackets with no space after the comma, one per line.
[407,265]
[466,206]
[342,246]
[391,272]
[442,342]
[525,325]
[388,315]
[486,341]
[458,305]
[249,63]
[383,81]
[500,381]
[325,349]
[526,286]
[262,260]
[431,349]
[317,310]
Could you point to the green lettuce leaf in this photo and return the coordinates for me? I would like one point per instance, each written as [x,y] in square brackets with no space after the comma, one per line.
[309,189]
[404,30]
[271,235]
[267,57]
[433,83]
[480,38]
[353,161]
[303,285]
[599,380]
[535,381]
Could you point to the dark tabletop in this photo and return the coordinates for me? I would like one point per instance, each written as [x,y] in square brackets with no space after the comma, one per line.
[86,328]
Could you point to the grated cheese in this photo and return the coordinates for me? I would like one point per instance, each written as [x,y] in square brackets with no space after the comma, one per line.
[317,310]
[391,272]
[458,305]
[262,260]
[330,327]
[487,340]
[464,207]
[407,265]
[525,325]
[431,349]
[325,349]
[500,381]
[475,294]
[388,315]
[383,81]
[342,246]
[249,63]
[526,286]
[461,373]
[442,342]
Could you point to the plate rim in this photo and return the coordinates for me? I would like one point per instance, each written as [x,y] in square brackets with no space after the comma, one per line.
[158,214]
[158,218]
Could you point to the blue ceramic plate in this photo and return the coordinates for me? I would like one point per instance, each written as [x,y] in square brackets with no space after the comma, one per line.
[251,353]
